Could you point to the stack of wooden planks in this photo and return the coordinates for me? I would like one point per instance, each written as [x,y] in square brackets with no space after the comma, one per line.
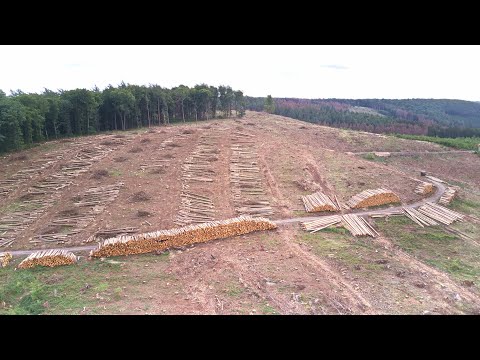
[191,234]
[50,258]
[374,197]
[357,225]
[424,188]
[440,213]
[318,201]
[5,258]
[448,195]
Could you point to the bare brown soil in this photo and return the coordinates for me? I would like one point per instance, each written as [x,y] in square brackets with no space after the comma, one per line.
[284,271]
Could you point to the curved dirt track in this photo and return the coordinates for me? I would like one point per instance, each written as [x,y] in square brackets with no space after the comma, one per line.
[434,198]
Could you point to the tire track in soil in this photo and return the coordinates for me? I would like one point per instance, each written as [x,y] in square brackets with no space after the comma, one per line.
[438,277]
[356,302]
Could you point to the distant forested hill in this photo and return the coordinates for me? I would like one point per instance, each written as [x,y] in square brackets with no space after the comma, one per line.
[443,117]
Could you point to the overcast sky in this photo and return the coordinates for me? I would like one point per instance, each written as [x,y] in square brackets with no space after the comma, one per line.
[282,71]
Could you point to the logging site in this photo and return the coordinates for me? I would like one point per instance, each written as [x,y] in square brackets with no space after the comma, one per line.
[181,206]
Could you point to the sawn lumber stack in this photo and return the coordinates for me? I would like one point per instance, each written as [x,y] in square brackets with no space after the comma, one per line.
[50,258]
[191,234]
[368,198]
[319,202]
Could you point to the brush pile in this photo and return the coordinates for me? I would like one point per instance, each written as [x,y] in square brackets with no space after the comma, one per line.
[424,188]
[368,198]
[5,258]
[191,234]
[448,196]
[319,202]
[50,258]
[440,213]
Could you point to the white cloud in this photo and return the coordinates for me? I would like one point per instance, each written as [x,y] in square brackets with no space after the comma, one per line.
[283,71]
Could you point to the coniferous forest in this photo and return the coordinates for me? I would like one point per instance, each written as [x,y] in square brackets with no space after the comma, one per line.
[30,118]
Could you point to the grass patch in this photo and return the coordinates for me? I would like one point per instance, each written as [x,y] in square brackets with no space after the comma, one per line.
[470,143]
[436,247]
[18,206]
[373,157]
[234,290]
[465,205]
[115,172]
[267,309]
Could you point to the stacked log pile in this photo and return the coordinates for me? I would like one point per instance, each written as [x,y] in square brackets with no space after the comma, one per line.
[448,195]
[194,209]
[424,188]
[109,233]
[418,217]
[321,223]
[5,258]
[43,194]
[440,213]
[318,201]
[50,258]
[191,234]
[249,197]
[357,225]
[198,166]
[368,198]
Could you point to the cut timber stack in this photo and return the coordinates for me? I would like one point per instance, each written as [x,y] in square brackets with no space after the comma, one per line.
[319,202]
[368,198]
[424,188]
[195,208]
[418,217]
[357,225]
[50,258]
[448,196]
[440,213]
[322,223]
[5,258]
[164,239]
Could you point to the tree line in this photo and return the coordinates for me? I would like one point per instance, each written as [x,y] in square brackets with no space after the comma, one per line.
[28,118]
[438,118]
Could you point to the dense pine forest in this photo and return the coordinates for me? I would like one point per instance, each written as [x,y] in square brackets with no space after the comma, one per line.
[26,119]
[442,118]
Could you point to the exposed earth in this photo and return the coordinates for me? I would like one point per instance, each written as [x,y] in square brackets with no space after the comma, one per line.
[406,270]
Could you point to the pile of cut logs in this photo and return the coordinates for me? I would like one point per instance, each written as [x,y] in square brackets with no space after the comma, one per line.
[109,233]
[440,213]
[448,195]
[320,202]
[418,217]
[50,258]
[357,225]
[424,188]
[374,197]
[5,258]
[191,234]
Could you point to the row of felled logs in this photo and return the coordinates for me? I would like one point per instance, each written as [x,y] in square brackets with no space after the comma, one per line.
[418,217]
[319,202]
[376,197]
[100,195]
[50,258]
[191,234]
[357,225]
[440,213]
[448,196]
[109,233]
[194,208]
[424,188]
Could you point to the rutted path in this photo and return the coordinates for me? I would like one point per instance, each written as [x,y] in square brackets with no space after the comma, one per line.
[433,198]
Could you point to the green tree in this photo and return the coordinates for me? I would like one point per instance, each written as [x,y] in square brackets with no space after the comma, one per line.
[269,106]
